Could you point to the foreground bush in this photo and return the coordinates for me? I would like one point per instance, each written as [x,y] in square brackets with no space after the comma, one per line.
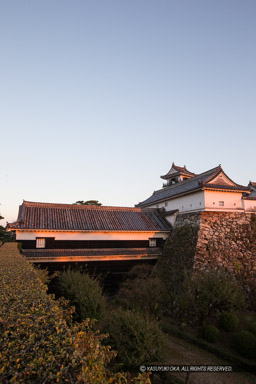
[252,328]
[84,293]
[206,294]
[211,333]
[37,343]
[137,338]
[245,343]
[142,291]
[178,256]
[228,321]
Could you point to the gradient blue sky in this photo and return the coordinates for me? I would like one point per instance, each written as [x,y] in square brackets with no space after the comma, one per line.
[97,98]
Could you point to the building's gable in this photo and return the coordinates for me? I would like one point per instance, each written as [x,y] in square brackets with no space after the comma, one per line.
[222,179]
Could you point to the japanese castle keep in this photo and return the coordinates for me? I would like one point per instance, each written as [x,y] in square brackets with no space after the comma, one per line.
[224,213]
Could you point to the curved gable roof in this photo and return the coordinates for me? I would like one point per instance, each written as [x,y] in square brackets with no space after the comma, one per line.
[202,181]
[175,170]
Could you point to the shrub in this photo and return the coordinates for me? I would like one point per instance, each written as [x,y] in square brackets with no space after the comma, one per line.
[43,274]
[37,344]
[142,291]
[211,333]
[245,343]
[178,256]
[250,288]
[84,293]
[228,321]
[252,328]
[137,339]
[206,294]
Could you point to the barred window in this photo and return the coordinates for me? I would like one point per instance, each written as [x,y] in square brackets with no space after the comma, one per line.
[221,203]
[40,242]
[152,242]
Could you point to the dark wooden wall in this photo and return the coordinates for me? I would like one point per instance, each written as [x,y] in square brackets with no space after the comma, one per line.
[51,243]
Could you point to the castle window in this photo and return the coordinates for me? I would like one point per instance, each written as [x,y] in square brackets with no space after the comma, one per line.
[40,242]
[166,204]
[152,242]
[221,203]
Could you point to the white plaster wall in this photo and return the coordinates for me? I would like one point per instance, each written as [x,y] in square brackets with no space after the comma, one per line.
[20,235]
[232,201]
[171,219]
[249,205]
[187,203]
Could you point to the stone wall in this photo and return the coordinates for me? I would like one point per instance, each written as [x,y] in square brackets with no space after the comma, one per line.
[224,239]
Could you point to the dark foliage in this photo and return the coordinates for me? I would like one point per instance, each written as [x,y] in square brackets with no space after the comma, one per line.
[142,291]
[211,333]
[252,328]
[5,236]
[88,202]
[245,343]
[137,338]
[178,257]
[206,294]
[228,321]
[84,292]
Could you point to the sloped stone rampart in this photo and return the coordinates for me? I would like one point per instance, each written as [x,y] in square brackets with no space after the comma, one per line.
[224,239]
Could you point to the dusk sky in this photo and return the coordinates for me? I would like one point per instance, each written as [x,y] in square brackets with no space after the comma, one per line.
[99,97]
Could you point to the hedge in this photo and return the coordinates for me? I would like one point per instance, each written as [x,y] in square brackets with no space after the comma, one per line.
[39,343]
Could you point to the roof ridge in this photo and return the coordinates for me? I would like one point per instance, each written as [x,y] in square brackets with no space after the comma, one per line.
[188,180]
[177,169]
[77,206]
[217,173]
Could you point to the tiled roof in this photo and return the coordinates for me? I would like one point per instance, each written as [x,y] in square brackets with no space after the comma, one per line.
[71,217]
[226,187]
[250,197]
[182,170]
[197,182]
[179,188]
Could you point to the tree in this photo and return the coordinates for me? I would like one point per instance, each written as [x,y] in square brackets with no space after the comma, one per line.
[4,235]
[206,294]
[1,217]
[88,202]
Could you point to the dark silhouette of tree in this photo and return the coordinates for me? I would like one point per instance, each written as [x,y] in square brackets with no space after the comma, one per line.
[1,217]
[88,202]
[4,235]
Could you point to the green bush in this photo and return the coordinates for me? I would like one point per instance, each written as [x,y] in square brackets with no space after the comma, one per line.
[252,328]
[84,293]
[142,291]
[178,256]
[137,339]
[245,343]
[228,321]
[37,345]
[43,274]
[206,294]
[211,333]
